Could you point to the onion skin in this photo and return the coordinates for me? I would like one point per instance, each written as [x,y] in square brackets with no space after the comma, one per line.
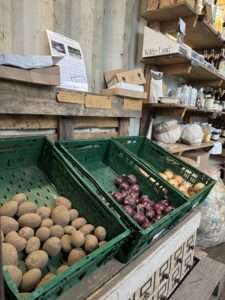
[150,214]
[124,186]
[139,218]
[135,188]
[129,201]
[118,197]
[129,210]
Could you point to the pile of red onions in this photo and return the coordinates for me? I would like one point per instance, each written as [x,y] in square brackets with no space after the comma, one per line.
[140,207]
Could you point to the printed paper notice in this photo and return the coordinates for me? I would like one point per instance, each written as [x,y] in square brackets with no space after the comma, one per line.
[72,66]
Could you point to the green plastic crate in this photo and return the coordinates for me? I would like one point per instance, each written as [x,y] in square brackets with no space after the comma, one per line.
[158,159]
[34,166]
[99,163]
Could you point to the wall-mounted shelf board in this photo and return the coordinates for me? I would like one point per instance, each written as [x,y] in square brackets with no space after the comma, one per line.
[200,34]
[180,148]
[180,65]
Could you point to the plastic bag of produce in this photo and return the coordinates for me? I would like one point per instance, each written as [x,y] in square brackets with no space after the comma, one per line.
[212,228]
[192,134]
[168,132]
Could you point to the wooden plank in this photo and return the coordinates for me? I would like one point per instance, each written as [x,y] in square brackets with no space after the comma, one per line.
[50,133]
[124,93]
[93,135]
[134,76]
[123,127]
[16,103]
[180,10]
[179,148]
[45,76]
[110,74]
[98,101]
[202,281]
[71,97]
[130,104]
[176,69]
[92,122]
[27,122]
[66,127]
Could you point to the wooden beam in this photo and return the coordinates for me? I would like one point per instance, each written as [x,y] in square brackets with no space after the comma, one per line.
[92,122]
[171,26]
[27,122]
[94,135]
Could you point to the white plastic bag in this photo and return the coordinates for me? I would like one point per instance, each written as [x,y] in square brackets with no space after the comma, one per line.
[212,228]
[168,132]
[192,134]
[156,86]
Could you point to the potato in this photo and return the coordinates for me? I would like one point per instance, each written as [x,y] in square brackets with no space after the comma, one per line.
[75,255]
[91,243]
[33,244]
[30,280]
[63,201]
[43,233]
[17,241]
[73,214]
[69,229]
[179,179]
[2,237]
[60,215]
[19,198]
[22,266]
[101,243]
[9,254]
[66,243]
[31,220]
[61,269]
[15,274]
[77,223]
[26,207]
[8,224]
[47,223]
[100,233]
[169,174]
[26,232]
[87,229]
[183,189]
[173,182]
[198,187]
[37,259]
[52,246]
[187,184]
[9,209]
[48,277]
[57,231]
[77,239]
[44,212]
[163,176]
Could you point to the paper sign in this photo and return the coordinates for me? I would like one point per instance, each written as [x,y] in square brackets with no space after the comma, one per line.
[72,66]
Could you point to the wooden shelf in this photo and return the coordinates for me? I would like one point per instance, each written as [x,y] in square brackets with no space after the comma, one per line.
[200,34]
[169,13]
[179,148]
[180,65]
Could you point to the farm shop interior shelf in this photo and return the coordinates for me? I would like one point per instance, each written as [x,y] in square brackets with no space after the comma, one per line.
[28,99]
[178,64]
[200,33]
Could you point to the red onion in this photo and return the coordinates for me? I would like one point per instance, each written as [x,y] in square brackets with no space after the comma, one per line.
[147,205]
[164,202]
[150,214]
[146,224]
[124,194]
[158,207]
[129,201]
[131,179]
[124,186]
[139,218]
[129,210]
[158,212]
[117,196]
[135,188]
[144,198]
[168,209]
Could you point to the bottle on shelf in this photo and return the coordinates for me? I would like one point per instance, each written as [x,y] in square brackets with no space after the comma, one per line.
[221,62]
[211,58]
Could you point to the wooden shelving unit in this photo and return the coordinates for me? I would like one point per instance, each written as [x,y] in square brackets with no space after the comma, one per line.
[200,33]
[180,65]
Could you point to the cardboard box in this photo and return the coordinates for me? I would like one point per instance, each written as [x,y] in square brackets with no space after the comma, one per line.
[152,4]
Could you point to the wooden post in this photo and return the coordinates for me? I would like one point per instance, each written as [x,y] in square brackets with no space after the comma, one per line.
[65,128]
[123,126]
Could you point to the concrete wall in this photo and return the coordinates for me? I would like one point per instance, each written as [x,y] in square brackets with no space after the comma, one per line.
[109,30]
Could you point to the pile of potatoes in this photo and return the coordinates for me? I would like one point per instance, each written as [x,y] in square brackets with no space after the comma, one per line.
[181,184]
[31,235]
